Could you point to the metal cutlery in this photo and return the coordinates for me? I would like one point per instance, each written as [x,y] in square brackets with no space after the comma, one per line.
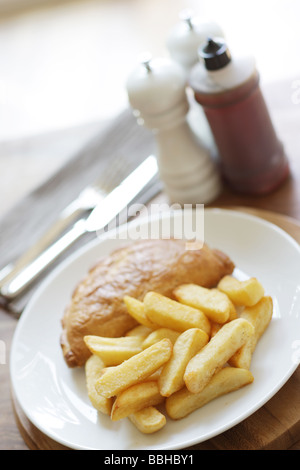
[87,199]
[104,213]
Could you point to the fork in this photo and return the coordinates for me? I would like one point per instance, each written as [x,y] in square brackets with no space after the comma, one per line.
[87,199]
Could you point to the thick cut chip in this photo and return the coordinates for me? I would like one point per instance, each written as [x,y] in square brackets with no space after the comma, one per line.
[186,346]
[139,330]
[160,334]
[228,379]
[115,379]
[232,308]
[113,351]
[172,314]
[148,420]
[259,316]
[135,398]
[246,293]
[136,309]
[212,357]
[215,327]
[214,303]
[93,369]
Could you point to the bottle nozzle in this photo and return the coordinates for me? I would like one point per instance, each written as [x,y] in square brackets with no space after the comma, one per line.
[215,53]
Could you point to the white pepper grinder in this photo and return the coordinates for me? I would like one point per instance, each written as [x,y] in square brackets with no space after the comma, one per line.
[183,42]
[157,93]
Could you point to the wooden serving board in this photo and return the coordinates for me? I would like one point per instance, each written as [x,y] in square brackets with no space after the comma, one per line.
[275,426]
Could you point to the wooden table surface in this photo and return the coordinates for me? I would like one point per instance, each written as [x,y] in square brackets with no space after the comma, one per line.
[285,201]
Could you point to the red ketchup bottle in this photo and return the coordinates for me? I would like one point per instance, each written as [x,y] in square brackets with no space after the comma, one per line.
[252,158]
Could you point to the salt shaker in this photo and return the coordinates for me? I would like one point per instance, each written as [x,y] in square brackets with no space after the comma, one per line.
[157,94]
[252,158]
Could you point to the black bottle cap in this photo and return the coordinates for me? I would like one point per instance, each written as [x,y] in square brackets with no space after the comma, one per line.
[215,54]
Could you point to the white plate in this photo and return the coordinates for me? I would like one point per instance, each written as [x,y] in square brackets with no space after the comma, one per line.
[54,397]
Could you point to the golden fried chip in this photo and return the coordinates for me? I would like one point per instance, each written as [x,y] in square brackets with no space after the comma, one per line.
[115,379]
[148,420]
[186,346]
[160,334]
[214,303]
[215,327]
[259,316]
[136,309]
[246,293]
[139,330]
[172,314]
[113,351]
[93,369]
[212,357]
[228,379]
[135,398]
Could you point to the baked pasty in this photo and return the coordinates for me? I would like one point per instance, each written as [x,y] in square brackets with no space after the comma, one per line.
[97,306]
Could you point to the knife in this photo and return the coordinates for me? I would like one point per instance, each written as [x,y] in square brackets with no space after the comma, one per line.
[80,207]
[101,216]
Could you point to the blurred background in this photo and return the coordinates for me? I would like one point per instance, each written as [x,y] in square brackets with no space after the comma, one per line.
[64,64]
